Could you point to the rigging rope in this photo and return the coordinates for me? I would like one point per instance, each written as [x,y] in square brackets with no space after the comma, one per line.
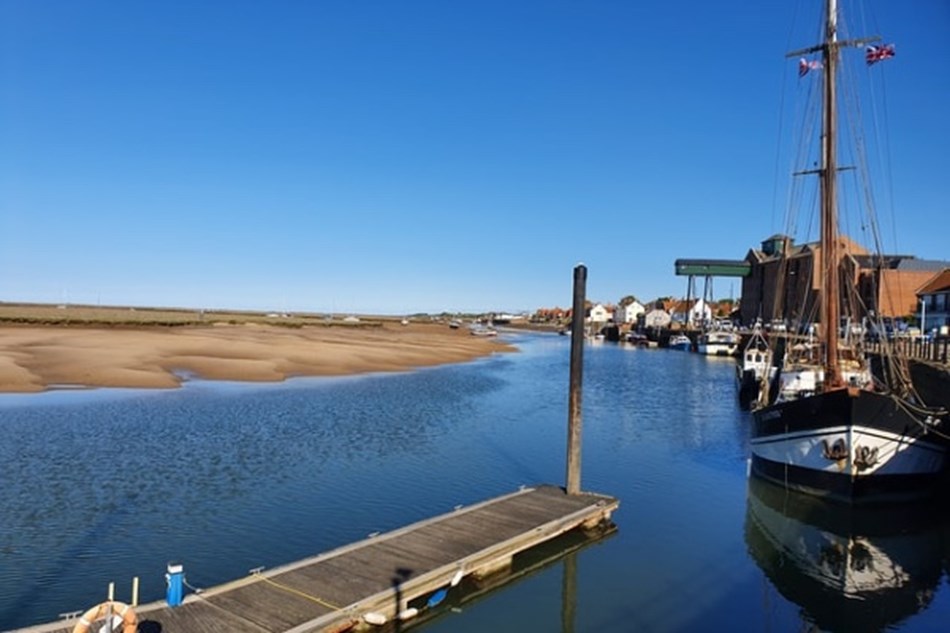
[297,592]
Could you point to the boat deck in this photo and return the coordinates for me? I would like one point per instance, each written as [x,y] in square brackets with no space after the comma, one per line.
[380,574]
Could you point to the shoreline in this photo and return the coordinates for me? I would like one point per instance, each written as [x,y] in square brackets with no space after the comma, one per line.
[44,358]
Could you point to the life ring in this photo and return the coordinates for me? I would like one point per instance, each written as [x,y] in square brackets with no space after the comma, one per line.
[130,622]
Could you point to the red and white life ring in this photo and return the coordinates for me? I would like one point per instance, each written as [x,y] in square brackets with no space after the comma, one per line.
[130,622]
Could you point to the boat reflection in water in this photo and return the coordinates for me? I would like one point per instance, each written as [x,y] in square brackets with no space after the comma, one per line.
[850,568]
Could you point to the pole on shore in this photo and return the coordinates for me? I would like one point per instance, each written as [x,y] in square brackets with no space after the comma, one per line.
[574,395]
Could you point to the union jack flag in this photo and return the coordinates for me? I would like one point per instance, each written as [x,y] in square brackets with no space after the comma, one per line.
[874,54]
[805,65]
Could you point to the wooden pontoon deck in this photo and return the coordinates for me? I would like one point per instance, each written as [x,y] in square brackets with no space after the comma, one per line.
[334,590]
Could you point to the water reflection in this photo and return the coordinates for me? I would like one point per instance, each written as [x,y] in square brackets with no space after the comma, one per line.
[848,568]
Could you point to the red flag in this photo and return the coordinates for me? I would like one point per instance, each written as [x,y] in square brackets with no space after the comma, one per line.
[874,54]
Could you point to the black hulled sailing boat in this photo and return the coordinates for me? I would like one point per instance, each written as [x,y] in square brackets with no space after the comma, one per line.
[824,425]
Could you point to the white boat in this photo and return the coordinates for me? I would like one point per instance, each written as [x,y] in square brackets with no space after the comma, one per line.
[718,343]
[483,330]
[824,425]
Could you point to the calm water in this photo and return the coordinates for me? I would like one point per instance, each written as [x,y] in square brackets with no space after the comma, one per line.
[101,486]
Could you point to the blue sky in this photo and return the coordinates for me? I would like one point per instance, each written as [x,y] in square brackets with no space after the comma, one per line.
[399,156]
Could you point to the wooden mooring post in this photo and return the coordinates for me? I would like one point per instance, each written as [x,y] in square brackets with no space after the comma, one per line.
[577,370]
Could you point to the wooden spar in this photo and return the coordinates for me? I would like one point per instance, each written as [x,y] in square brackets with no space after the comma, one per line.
[829,285]
[830,259]
[574,395]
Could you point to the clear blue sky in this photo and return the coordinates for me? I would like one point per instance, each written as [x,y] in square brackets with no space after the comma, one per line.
[393,156]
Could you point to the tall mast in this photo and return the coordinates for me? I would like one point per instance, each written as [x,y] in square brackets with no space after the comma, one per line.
[830,259]
[829,264]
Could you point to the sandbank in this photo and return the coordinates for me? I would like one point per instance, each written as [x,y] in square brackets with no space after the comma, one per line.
[38,358]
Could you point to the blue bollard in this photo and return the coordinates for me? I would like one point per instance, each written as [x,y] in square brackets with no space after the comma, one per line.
[175,578]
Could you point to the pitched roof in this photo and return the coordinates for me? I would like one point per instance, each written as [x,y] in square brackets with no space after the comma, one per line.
[939,283]
[914,264]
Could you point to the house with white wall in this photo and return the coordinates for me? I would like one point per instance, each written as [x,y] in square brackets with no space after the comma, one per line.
[599,314]
[629,312]
[656,318]
[697,314]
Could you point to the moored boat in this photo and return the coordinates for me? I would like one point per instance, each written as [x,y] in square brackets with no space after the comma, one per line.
[638,339]
[483,330]
[753,367]
[823,424]
[680,342]
[718,343]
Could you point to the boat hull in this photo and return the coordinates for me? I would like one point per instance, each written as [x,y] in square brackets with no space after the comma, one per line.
[747,384]
[848,444]
[717,349]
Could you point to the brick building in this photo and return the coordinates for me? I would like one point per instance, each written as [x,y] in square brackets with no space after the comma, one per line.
[783,281]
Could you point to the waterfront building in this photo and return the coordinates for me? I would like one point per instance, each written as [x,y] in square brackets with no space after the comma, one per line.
[934,299]
[783,281]
[629,313]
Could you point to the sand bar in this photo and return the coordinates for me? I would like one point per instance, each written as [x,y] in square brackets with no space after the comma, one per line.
[37,358]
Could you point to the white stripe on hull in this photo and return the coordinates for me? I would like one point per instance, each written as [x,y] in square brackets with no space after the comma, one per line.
[896,454]
[716,349]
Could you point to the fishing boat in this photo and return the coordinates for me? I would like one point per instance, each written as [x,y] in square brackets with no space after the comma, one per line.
[753,367]
[823,424]
[848,567]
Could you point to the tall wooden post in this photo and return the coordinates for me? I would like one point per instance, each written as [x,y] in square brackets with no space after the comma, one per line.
[574,396]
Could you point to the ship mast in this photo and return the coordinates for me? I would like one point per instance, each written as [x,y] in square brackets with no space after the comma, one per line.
[829,289]
[829,260]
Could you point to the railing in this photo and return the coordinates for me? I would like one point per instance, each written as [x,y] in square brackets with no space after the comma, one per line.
[934,350]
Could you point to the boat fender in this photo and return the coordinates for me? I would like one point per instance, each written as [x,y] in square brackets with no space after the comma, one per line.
[409,613]
[456,579]
[374,618]
[436,598]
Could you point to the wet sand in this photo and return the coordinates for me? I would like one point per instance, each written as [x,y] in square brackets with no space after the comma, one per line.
[46,357]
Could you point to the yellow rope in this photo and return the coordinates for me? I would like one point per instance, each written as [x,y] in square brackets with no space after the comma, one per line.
[298,592]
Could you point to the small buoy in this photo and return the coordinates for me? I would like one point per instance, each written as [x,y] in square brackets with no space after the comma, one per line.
[411,612]
[372,617]
[436,598]
[457,578]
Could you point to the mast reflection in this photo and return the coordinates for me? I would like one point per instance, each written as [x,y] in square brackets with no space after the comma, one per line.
[849,568]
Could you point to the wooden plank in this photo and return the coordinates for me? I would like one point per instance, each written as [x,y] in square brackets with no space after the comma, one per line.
[337,582]
[430,549]
[270,607]
[198,617]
